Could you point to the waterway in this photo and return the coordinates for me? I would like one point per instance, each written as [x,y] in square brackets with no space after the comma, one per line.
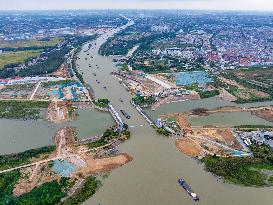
[18,135]
[228,119]
[218,119]
[151,178]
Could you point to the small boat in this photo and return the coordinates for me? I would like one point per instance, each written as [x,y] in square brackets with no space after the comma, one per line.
[121,100]
[188,189]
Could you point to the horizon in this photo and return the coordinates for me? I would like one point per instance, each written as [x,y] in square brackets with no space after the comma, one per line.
[198,5]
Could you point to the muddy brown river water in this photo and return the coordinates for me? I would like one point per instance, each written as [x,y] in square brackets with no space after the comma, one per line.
[151,178]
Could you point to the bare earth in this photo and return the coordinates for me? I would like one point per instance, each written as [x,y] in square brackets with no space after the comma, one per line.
[95,166]
[188,147]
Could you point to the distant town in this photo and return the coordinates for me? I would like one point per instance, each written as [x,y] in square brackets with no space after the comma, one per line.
[165,86]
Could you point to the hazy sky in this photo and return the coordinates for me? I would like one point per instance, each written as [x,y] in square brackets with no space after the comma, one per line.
[265,5]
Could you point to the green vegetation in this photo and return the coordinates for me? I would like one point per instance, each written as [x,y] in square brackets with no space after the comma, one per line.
[162,131]
[194,87]
[121,43]
[208,94]
[72,112]
[47,193]
[88,189]
[14,88]
[107,136]
[74,66]
[7,182]
[252,99]
[54,83]
[50,60]
[13,160]
[98,143]
[144,100]
[255,80]
[102,103]
[203,93]
[243,171]
[125,133]
[29,44]
[124,67]
[253,127]
[9,59]
[271,179]
[26,110]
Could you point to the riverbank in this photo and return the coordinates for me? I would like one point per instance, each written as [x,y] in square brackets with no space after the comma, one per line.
[153,153]
[66,159]
[251,171]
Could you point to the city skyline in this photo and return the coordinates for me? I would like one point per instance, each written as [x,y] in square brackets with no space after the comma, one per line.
[244,5]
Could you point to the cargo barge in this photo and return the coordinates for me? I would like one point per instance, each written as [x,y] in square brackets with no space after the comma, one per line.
[125,114]
[188,189]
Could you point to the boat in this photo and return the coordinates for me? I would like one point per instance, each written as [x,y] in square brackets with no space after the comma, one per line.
[188,189]
[125,114]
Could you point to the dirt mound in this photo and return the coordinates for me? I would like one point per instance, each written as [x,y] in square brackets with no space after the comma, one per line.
[101,165]
[188,147]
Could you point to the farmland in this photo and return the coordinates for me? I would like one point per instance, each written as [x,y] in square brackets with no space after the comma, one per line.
[9,58]
[254,83]
[49,42]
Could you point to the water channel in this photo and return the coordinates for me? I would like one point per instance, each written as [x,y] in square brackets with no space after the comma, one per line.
[151,178]
[18,136]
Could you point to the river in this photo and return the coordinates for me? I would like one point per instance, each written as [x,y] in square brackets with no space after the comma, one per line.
[18,135]
[219,119]
[151,178]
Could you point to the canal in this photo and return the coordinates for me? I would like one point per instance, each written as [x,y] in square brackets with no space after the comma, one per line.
[151,178]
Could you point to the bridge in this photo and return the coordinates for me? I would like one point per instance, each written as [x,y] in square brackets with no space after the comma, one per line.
[116,117]
[140,110]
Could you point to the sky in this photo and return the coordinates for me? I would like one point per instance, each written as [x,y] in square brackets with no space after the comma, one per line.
[257,5]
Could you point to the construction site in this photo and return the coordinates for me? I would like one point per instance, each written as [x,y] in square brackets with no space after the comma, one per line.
[141,84]
[197,141]
[70,159]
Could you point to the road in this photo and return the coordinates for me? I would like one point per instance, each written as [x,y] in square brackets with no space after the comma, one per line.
[151,178]
[35,90]
[65,156]
[31,164]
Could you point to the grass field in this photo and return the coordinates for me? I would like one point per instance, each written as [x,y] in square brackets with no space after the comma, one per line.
[17,57]
[30,43]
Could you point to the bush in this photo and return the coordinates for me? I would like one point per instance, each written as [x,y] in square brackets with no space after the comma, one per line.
[88,189]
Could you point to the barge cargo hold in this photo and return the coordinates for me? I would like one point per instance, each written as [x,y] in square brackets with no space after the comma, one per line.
[188,189]
[125,114]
